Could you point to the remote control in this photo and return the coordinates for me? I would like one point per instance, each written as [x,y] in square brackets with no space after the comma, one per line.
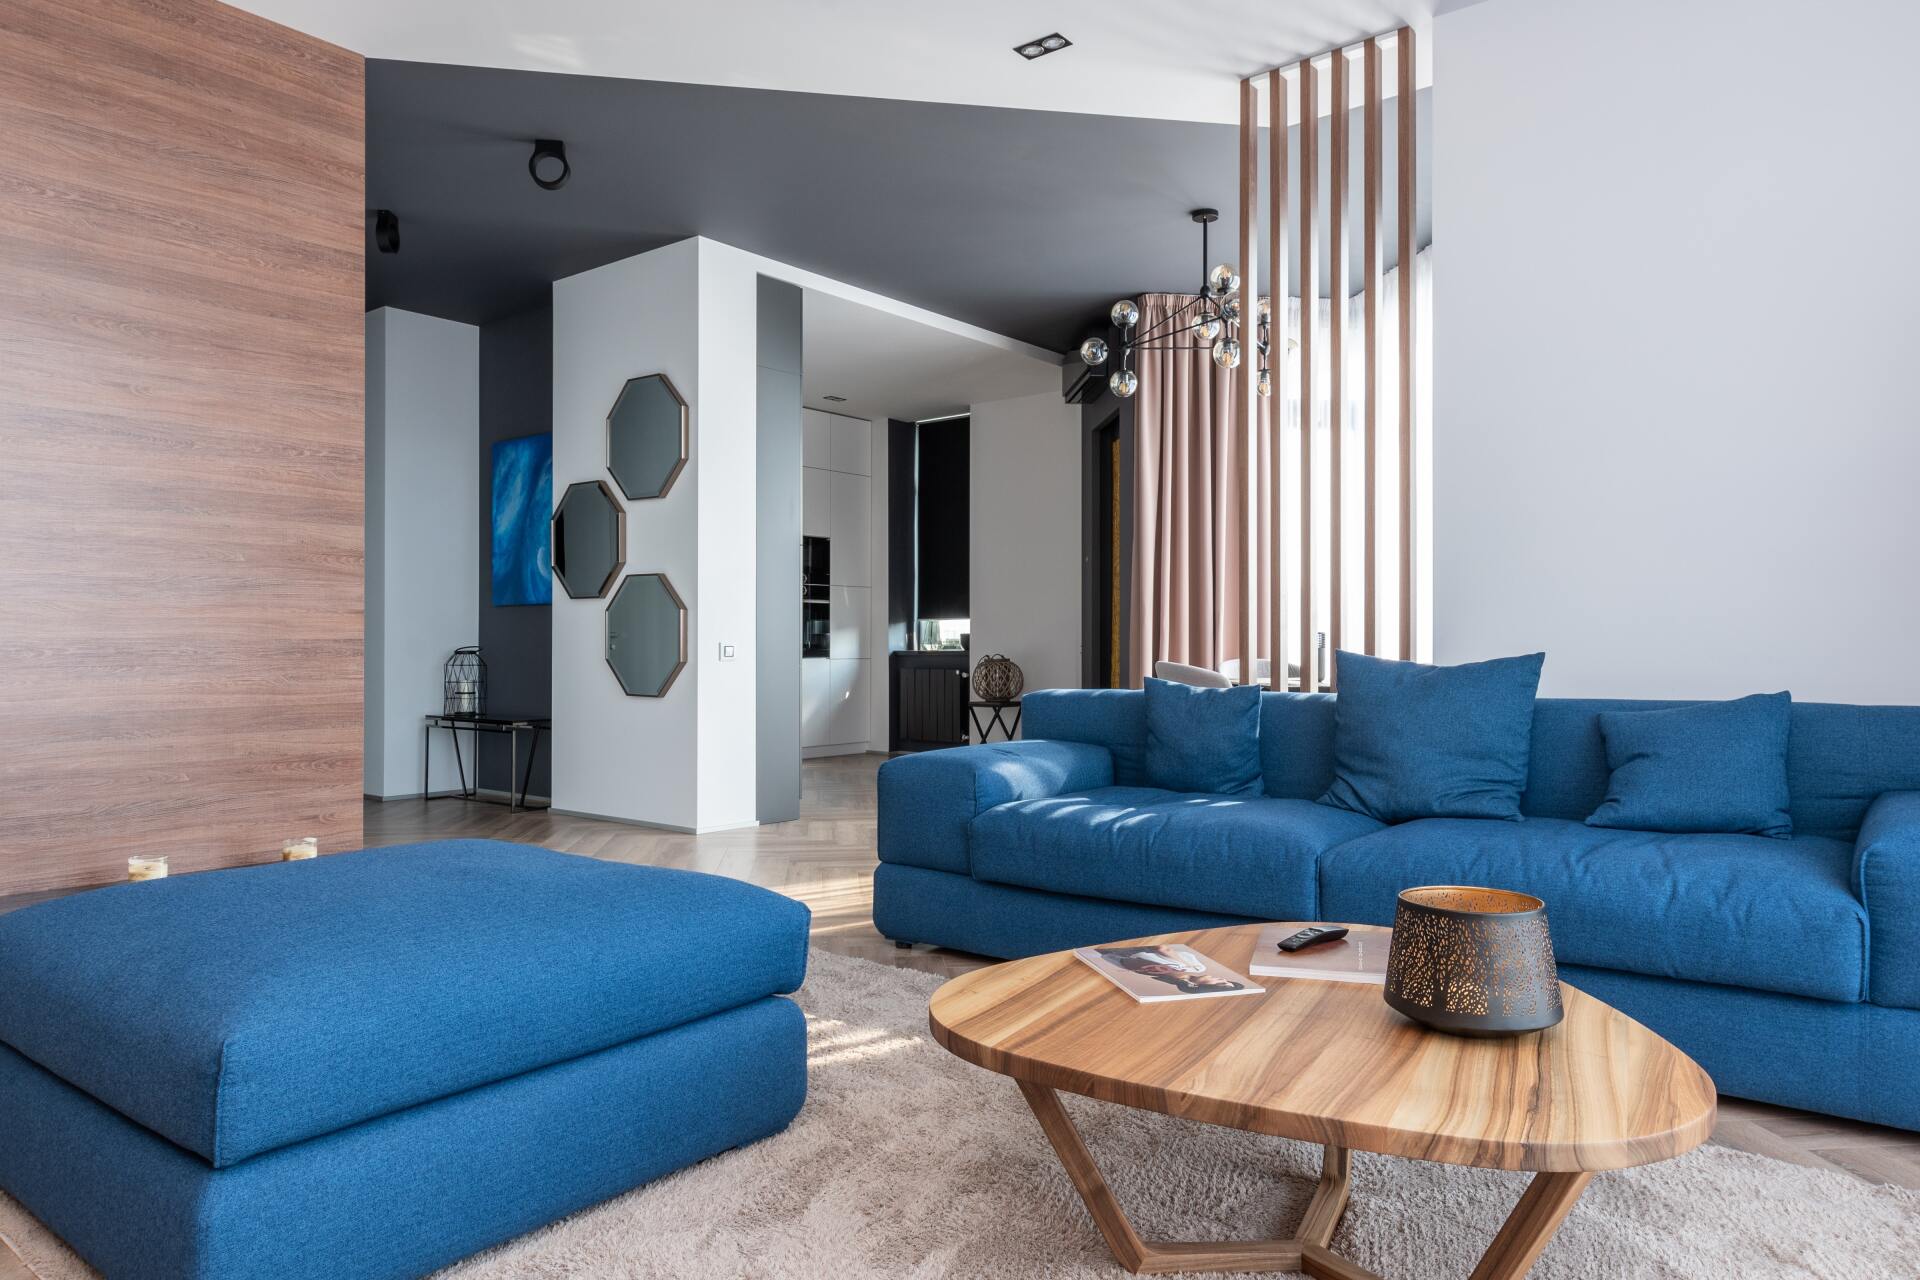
[1313,937]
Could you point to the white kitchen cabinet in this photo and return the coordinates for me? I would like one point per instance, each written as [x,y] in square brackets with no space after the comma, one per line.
[816,508]
[816,439]
[852,528]
[851,445]
[847,619]
[816,702]
[848,692]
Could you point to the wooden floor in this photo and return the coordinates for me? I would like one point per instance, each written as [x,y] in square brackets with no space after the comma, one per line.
[826,860]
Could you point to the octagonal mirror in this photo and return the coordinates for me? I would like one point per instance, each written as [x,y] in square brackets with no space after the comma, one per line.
[589,540]
[646,634]
[647,437]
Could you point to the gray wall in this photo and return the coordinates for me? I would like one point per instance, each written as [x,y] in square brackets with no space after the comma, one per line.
[516,399]
[777,554]
[421,473]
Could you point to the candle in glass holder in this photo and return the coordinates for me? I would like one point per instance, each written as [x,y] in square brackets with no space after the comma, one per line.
[147,866]
[300,849]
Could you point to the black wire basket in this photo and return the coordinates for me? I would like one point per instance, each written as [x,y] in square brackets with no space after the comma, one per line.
[465,684]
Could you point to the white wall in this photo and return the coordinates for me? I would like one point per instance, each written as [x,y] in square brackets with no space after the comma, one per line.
[613,755]
[423,601]
[1024,554]
[1675,436]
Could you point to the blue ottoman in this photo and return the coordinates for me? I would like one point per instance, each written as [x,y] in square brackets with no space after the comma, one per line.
[373,1064]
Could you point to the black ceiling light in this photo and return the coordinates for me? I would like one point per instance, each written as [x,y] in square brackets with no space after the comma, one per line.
[1040,48]
[386,231]
[548,164]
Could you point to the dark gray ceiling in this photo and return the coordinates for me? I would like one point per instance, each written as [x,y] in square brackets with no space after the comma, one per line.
[1026,223]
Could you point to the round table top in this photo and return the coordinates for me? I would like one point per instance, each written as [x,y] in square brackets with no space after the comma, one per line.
[1330,1062]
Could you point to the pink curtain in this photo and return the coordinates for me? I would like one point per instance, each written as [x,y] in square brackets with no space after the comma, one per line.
[1191,509]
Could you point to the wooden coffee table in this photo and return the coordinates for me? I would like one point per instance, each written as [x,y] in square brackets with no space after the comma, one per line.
[1329,1062]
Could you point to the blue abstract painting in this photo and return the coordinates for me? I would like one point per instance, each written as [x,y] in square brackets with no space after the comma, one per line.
[523,520]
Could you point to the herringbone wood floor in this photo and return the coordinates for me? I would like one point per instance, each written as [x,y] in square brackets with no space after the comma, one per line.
[826,860]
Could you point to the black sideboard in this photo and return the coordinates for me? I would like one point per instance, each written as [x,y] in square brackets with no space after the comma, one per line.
[929,703]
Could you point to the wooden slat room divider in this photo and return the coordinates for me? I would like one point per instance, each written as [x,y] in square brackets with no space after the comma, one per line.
[1293,94]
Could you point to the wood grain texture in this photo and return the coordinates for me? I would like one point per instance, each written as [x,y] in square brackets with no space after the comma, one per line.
[1277,361]
[1408,151]
[1309,290]
[1329,1062]
[1246,393]
[182,232]
[1338,158]
[1371,189]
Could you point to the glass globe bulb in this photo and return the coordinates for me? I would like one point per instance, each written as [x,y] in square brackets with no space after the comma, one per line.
[1231,309]
[1226,353]
[1207,329]
[1123,383]
[1266,308]
[1223,279]
[1125,314]
[1266,382]
[1094,351]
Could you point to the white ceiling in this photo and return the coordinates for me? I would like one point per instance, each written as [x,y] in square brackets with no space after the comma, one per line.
[1173,61]
[888,366]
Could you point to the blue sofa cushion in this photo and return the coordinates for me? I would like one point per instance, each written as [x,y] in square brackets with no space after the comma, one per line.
[1745,911]
[929,798]
[1203,740]
[238,1011]
[1242,855]
[1886,875]
[1714,766]
[1414,741]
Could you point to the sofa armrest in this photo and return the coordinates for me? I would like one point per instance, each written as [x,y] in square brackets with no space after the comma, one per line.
[928,800]
[1886,875]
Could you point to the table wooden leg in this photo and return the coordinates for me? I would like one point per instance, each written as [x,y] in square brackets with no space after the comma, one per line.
[1542,1208]
[1144,1258]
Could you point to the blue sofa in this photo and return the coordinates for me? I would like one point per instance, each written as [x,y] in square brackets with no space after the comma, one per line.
[1790,969]
[369,1065]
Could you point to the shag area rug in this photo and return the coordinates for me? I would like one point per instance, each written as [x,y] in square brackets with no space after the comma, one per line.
[909,1163]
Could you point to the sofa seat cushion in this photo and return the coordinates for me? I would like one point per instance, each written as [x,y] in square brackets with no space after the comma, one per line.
[1745,911]
[1244,855]
[238,1011]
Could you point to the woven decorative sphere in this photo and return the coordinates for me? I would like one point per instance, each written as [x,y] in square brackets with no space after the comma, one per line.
[998,679]
[1476,962]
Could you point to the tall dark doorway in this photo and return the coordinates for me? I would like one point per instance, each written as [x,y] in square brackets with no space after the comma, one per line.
[1106,520]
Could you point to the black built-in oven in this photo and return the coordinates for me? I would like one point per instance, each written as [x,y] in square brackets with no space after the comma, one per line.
[816,615]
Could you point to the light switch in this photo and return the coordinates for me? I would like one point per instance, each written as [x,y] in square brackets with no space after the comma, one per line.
[726,653]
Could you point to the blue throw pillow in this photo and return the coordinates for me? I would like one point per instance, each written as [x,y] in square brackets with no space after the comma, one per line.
[1413,741]
[1718,766]
[1203,739]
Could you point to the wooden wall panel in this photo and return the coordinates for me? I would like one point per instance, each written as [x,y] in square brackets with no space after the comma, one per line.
[1309,290]
[1277,360]
[1371,197]
[1246,396]
[181,423]
[1337,290]
[1409,278]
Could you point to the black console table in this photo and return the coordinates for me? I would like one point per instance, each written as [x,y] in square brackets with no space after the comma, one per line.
[477,725]
[984,728]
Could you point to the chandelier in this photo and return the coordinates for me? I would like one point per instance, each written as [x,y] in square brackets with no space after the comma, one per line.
[1206,321]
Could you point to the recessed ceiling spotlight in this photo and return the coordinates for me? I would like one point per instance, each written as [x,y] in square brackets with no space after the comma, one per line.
[1042,47]
[548,164]
[835,399]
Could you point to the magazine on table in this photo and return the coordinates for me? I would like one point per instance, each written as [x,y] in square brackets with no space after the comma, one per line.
[1361,956]
[1169,971]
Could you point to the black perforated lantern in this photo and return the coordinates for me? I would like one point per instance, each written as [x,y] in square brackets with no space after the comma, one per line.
[1476,962]
[465,684]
